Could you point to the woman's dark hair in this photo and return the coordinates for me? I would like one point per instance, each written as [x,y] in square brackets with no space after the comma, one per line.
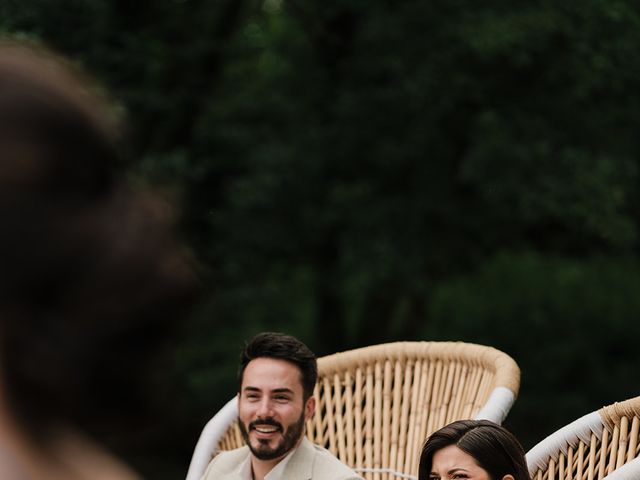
[282,347]
[493,447]
[91,279]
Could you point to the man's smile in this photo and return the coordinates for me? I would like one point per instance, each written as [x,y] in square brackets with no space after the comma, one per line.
[265,428]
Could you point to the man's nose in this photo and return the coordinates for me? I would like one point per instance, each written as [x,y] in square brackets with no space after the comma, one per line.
[265,409]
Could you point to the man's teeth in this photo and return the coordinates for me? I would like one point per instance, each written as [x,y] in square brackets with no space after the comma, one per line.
[266,429]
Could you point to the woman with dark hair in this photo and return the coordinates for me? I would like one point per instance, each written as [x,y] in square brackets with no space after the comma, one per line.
[472,450]
[91,279]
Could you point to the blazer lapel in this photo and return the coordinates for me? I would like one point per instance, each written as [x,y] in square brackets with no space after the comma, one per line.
[238,470]
[300,465]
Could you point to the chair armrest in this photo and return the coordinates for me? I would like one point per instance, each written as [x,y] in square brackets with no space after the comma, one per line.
[498,405]
[210,437]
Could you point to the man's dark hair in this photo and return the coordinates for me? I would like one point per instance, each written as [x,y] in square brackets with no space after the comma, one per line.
[492,446]
[282,347]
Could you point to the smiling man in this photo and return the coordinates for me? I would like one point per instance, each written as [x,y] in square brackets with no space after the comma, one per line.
[277,376]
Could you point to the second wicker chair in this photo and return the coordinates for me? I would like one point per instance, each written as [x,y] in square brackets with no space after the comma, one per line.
[602,444]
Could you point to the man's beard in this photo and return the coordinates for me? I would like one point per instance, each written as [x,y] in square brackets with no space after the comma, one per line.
[289,438]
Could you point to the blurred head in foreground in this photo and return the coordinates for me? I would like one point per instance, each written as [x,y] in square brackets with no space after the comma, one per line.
[90,276]
[475,450]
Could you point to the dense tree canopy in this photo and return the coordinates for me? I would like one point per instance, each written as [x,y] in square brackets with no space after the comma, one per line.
[356,172]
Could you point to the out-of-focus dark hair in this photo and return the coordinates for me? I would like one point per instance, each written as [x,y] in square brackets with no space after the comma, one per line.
[282,347]
[91,278]
[493,447]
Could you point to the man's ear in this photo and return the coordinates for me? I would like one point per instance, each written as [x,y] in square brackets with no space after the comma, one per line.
[508,477]
[310,408]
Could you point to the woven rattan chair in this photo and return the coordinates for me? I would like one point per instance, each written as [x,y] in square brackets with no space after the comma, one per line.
[376,405]
[602,444]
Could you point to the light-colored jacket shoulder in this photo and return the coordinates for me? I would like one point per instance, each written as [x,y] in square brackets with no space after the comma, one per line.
[318,464]
[330,468]
[226,463]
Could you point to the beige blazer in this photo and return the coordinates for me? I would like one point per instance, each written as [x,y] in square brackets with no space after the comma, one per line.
[308,462]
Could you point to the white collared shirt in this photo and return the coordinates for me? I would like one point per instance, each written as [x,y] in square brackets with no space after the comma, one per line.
[274,474]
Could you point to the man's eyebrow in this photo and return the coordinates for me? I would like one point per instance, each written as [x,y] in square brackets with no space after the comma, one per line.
[275,390]
[282,390]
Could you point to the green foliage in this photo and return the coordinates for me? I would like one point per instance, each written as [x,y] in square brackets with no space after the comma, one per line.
[570,325]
